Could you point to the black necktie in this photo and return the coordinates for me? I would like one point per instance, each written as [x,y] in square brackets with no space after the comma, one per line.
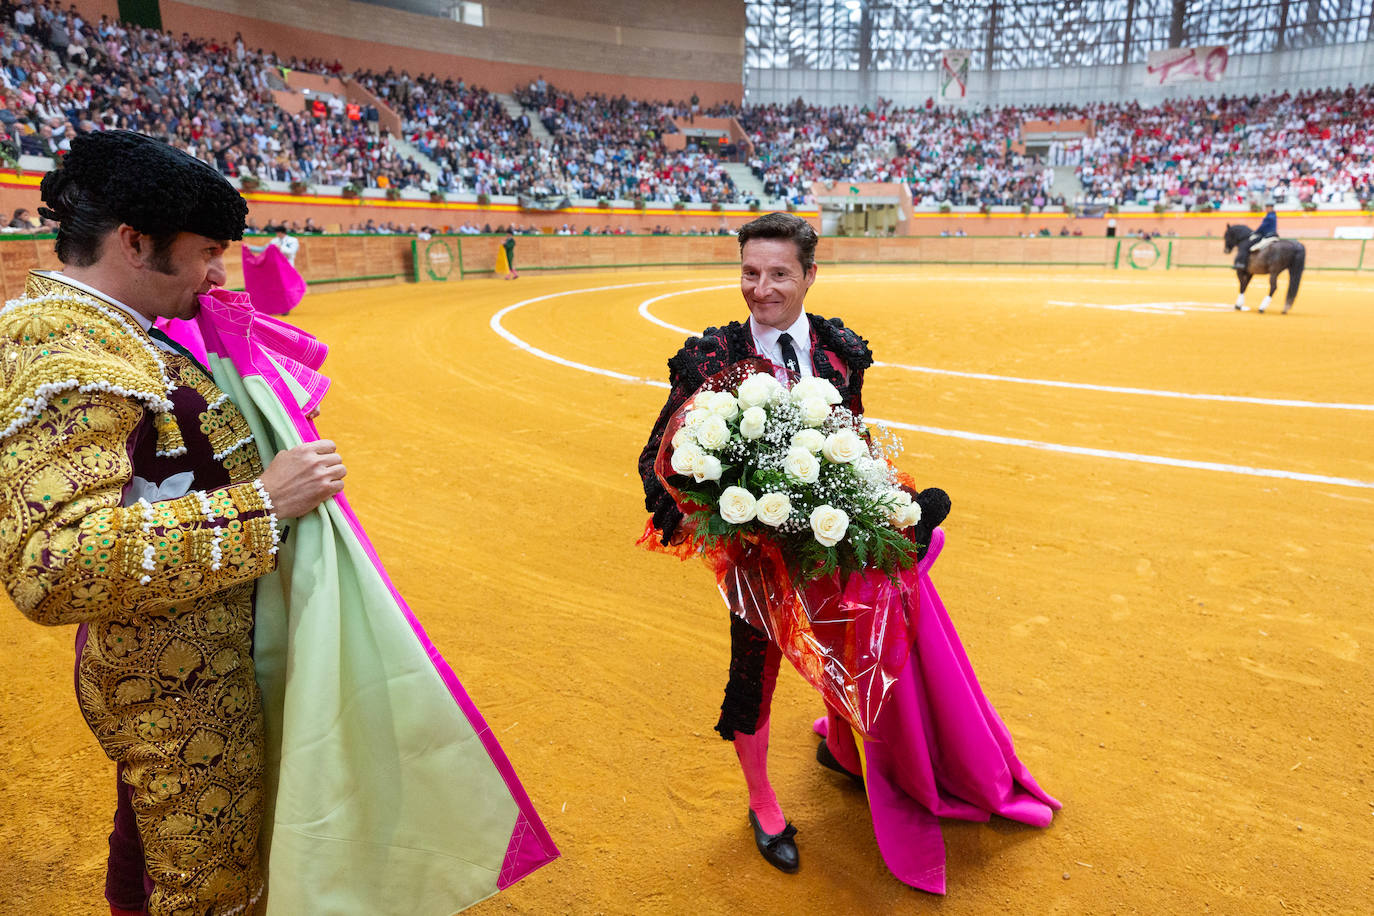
[789,353]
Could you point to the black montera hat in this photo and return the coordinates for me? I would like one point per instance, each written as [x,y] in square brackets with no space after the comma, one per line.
[146,184]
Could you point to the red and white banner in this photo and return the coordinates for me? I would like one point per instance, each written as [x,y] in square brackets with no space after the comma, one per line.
[954,74]
[1184,65]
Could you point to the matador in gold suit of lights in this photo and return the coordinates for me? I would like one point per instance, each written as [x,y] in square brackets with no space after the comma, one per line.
[112,517]
[134,504]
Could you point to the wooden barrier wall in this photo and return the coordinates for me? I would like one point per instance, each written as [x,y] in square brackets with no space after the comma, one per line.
[335,261]
[322,260]
[18,257]
[1080,252]
[1322,254]
[478,253]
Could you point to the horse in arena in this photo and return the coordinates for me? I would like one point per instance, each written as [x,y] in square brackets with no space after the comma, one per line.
[1279,255]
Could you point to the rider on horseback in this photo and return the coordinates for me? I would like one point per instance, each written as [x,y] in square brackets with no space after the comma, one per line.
[1268,228]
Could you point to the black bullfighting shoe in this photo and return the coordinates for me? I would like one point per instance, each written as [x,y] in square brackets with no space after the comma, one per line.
[780,849]
[826,758]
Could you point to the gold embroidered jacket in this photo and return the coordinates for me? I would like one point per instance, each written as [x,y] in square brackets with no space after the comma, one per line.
[83,392]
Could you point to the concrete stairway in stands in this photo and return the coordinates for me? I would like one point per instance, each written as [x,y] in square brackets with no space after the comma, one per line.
[514,109]
[410,152]
[1066,184]
[746,182]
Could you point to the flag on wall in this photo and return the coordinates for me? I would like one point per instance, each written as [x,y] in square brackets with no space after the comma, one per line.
[954,74]
[1184,65]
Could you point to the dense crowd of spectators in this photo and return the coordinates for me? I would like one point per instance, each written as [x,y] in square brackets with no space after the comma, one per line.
[612,148]
[1288,146]
[955,156]
[463,129]
[1308,145]
[62,75]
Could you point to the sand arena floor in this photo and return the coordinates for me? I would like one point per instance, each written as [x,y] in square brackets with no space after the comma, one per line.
[1180,646]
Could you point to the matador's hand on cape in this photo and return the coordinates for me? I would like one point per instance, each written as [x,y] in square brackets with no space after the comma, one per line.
[301,478]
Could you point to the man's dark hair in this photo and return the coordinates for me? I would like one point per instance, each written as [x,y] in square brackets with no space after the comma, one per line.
[85,223]
[783,226]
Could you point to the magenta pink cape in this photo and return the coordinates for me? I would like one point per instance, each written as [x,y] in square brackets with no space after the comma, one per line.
[388,792]
[939,749]
[272,282]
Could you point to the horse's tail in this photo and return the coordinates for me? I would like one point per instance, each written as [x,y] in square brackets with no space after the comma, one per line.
[1295,275]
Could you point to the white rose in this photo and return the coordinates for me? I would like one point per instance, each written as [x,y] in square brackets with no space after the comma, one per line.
[737,505]
[814,411]
[802,465]
[752,423]
[902,512]
[844,447]
[810,439]
[911,516]
[712,433]
[773,509]
[871,470]
[694,416]
[705,467]
[722,404]
[829,524]
[683,458]
[815,387]
[681,437]
[757,390]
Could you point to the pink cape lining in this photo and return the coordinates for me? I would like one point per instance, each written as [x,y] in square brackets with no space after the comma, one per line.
[272,282]
[229,326]
[939,749]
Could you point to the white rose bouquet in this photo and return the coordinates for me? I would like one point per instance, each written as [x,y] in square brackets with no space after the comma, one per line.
[797,509]
[794,466]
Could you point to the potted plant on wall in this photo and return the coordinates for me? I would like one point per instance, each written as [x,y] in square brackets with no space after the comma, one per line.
[717,206]
[250,183]
[393,193]
[945,207]
[1160,206]
[985,209]
[603,204]
[679,205]
[753,206]
[299,186]
[1309,205]
[352,191]
[483,200]
[437,197]
[640,203]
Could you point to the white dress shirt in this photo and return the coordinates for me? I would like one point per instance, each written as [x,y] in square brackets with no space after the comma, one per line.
[766,342]
[289,245]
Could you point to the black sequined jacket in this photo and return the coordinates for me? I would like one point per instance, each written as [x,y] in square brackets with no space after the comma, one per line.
[838,355]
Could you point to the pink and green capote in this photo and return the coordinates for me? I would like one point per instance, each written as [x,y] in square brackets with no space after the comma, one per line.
[387,791]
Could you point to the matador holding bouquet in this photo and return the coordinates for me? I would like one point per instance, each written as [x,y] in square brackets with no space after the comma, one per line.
[760,464]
